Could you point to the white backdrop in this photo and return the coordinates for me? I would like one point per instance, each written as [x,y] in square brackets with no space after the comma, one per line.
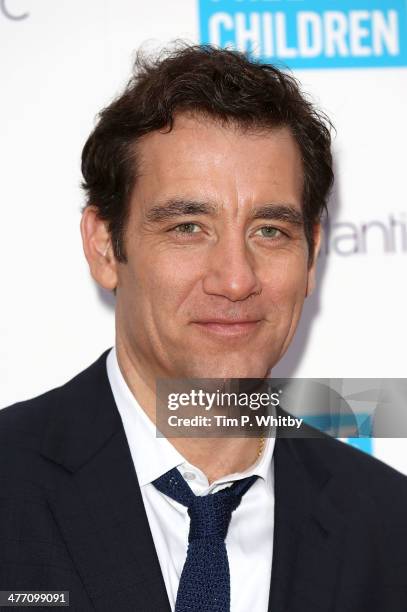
[63,60]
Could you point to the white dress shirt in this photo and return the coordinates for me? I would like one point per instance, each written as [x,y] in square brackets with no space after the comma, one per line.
[249,541]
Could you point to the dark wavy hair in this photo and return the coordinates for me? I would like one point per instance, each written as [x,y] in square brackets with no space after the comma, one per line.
[222,84]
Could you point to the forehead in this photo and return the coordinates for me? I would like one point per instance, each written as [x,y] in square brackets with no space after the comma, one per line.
[225,164]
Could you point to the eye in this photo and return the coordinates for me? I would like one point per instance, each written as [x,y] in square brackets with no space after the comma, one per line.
[268,231]
[186,228]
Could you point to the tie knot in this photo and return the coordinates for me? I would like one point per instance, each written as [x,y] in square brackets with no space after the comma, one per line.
[210,515]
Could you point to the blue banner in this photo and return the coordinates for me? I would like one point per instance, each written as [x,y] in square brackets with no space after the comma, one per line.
[312,33]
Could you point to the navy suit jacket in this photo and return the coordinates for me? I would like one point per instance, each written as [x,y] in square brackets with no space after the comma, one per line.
[72,516]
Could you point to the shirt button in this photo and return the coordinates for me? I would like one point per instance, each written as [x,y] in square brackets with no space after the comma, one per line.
[189,476]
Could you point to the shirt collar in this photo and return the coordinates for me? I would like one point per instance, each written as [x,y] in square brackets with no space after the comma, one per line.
[152,455]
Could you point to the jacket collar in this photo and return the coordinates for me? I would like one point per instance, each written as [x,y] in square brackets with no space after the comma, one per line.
[309,528]
[96,501]
[83,419]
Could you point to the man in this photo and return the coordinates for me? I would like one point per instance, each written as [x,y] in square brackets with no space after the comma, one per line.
[205,183]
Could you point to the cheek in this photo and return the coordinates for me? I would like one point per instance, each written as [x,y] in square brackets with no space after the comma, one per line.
[164,281]
[286,283]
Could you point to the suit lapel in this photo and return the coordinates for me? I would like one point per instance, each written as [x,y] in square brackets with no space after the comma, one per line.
[97,502]
[308,530]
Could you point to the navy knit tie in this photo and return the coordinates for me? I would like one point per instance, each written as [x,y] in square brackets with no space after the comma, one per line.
[205,580]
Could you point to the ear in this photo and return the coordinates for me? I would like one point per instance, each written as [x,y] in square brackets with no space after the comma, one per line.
[98,249]
[311,281]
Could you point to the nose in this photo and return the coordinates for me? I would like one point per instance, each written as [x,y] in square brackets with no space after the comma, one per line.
[231,271]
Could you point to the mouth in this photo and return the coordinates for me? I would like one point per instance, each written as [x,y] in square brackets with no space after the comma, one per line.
[227,327]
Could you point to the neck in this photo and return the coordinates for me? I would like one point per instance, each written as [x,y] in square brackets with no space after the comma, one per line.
[219,457]
[215,457]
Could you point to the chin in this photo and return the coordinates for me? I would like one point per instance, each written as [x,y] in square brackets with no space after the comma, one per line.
[229,367]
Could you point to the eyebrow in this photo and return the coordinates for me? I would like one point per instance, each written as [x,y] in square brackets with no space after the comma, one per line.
[180,207]
[279,212]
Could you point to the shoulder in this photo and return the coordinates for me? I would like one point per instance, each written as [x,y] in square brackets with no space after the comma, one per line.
[25,477]
[24,425]
[342,458]
[360,476]
[322,454]
[25,421]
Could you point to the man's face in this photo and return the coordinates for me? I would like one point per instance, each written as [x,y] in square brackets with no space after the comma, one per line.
[217,267]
